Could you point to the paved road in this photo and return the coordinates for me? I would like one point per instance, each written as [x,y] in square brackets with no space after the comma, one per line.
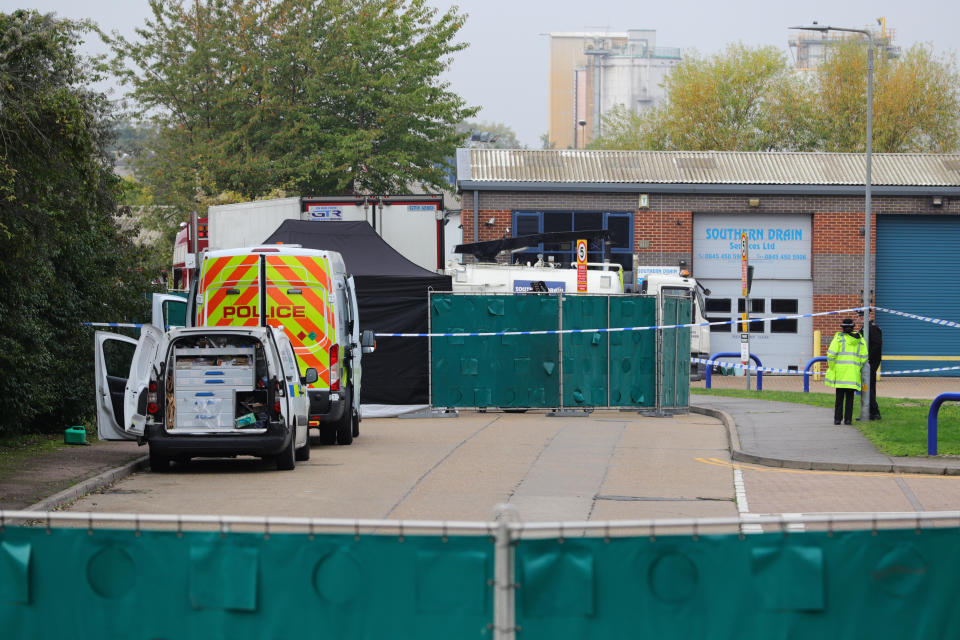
[612,465]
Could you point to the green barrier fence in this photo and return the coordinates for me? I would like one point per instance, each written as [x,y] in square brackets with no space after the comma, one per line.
[859,584]
[98,583]
[643,369]
[71,583]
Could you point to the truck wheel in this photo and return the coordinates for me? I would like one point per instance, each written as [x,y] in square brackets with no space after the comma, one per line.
[355,421]
[303,453]
[286,459]
[158,463]
[328,433]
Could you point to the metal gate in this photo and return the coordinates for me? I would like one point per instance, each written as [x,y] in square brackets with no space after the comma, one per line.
[549,351]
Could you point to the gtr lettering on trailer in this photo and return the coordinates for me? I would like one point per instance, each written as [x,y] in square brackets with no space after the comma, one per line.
[280,311]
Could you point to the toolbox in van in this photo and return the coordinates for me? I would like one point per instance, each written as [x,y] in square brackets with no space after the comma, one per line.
[206,382]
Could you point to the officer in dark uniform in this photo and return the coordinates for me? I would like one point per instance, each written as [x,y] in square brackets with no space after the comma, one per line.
[874,356]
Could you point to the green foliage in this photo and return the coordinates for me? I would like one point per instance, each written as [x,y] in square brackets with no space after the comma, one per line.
[64,260]
[750,99]
[307,96]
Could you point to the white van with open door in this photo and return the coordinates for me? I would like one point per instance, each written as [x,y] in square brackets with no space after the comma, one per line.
[204,392]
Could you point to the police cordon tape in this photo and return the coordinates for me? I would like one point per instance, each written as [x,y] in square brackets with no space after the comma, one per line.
[946,323]
[738,365]
[482,334]
[545,332]
[121,325]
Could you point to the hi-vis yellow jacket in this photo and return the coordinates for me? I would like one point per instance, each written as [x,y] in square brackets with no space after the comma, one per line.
[845,359]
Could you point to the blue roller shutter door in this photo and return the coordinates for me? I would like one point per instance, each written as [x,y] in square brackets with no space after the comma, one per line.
[918,272]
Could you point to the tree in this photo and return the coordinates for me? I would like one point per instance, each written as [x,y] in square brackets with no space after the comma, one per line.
[712,103]
[309,96]
[916,103]
[751,100]
[64,260]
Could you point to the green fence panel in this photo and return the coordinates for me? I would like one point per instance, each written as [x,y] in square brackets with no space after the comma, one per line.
[152,585]
[585,354]
[675,367]
[851,584]
[633,354]
[495,371]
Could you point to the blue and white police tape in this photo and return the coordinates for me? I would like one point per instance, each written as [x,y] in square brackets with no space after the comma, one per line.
[544,332]
[123,325]
[913,316]
[739,365]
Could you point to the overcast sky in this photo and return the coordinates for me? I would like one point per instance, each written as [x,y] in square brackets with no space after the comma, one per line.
[505,68]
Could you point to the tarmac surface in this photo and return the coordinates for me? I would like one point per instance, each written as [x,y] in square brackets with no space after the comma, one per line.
[761,432]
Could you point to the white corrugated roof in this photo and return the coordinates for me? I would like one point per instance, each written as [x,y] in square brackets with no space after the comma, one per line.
[705,167]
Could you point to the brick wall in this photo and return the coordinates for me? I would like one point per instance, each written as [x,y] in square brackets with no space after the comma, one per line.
[667,225]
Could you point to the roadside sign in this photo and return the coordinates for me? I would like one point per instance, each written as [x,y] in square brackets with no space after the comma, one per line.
[743,263]
[581,266]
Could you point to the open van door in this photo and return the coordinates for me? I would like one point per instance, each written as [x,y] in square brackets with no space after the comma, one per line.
[112,357]
[168,311]
[135,393]
[355,350]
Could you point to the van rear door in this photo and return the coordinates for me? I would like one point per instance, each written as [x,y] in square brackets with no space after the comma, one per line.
[355,351]
[112,358]
[298,298]
[229,291]
[169,311]
[134,397]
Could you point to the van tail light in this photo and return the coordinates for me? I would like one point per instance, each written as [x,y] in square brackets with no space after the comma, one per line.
[276,408]
[152,408]
[335,368]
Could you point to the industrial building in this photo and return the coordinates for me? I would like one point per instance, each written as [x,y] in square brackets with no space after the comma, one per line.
[592,72]
[804,213]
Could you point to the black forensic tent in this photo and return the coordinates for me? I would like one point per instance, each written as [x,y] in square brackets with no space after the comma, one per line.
[392,298]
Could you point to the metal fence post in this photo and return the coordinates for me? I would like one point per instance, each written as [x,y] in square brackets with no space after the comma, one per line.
[609,381]
[504,597]
[560,344]
[429,348]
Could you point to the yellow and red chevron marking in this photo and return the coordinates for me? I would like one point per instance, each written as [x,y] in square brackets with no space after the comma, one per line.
[233,272]
[307,318]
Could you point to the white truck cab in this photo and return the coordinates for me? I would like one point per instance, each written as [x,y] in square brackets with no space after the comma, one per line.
[204,392]
[679,282]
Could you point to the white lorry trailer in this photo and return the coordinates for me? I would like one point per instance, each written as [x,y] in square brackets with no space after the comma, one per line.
[602,278]
[411,224]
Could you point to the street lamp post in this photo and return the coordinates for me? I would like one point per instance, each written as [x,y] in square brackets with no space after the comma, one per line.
[865,379]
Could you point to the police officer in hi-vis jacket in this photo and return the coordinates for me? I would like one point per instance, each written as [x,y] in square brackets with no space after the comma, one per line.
[845,359]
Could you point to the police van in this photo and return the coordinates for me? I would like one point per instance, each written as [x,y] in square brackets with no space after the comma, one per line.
[310,294]
[203,392]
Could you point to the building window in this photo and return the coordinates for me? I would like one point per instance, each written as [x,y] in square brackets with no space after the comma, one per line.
[619,248]
[783,307]
[718,305]
[757,305]
[719,328]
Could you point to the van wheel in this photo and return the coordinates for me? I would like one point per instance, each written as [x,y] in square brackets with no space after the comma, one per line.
[286,459]
[158,463]
[355,422]
[303,453]
[345,427]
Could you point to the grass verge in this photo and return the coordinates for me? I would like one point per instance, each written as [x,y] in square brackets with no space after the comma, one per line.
[902,432]
[15,451]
